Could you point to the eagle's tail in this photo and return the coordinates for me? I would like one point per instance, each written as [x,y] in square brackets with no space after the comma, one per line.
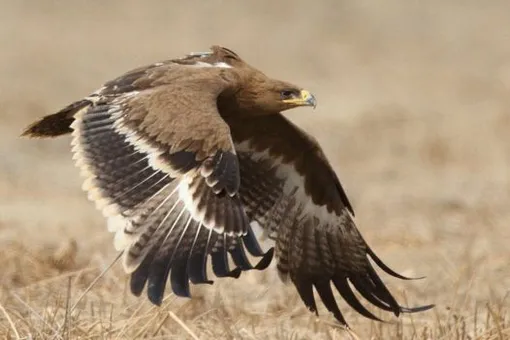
[56,124]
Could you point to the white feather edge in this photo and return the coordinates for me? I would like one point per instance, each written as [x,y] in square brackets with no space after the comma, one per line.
[204,64]
[155,160]
[293,182]
[294,185]
[116,221]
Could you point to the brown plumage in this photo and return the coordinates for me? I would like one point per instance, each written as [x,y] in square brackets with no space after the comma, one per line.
[185,156]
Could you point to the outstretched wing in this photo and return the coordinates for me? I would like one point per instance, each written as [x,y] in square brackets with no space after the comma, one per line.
[289,188]
[160,163]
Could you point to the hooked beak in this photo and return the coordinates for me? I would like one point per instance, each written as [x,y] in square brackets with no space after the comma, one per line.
[305,99]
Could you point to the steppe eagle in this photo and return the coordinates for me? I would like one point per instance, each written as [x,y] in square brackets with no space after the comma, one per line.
[184,156]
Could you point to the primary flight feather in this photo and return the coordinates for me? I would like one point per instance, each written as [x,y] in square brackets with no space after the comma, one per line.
[183,156]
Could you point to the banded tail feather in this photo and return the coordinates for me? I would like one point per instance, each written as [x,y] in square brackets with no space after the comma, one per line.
[56,124]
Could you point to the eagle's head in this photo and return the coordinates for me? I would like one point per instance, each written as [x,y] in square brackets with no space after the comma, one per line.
[266,95]
[260,94]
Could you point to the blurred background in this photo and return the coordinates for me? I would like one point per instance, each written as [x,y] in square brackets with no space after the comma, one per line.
[413,113]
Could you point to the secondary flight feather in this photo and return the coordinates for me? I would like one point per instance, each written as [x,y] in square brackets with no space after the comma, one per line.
[184,156]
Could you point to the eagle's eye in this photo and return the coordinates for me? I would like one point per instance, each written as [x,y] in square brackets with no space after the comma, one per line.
[288,94]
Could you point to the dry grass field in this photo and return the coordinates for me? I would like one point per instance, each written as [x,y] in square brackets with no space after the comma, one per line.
[413,112]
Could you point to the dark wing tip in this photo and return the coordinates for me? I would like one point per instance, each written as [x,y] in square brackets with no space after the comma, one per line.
[137,283]
[197,270]
[156,291]
[266,260]
[417,309]
[239,257]
[252,244]
[347,294]
[179,279]
[140,275]
[323,287]
[372,290]
[305,290]
[220,265]
[155,294]
[387,269]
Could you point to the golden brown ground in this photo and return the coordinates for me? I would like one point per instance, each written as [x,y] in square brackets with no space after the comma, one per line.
[414,113]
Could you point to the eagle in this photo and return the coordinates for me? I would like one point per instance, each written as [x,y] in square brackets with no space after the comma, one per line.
[188,158]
